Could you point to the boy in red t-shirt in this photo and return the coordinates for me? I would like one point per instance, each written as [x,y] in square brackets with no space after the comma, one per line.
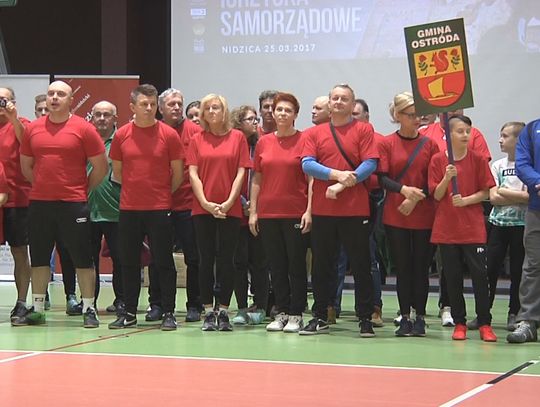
[459,227]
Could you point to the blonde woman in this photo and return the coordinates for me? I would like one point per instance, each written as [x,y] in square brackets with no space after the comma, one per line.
[217,158]
[408,210]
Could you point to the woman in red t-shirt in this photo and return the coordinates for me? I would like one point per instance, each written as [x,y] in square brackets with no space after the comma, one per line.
[408,210]
[281,211]
[217,158]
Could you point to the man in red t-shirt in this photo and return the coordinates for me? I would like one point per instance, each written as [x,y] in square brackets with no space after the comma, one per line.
[4,190]
[15,210]
[320,112]
[147,159]
[266,107]
[54,153]
[170,104]
[344,218]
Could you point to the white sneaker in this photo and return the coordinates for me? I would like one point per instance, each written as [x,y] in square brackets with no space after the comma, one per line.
[446,317]
[278,323]
[294,324]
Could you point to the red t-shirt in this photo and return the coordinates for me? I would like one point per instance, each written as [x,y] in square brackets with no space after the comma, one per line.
[60,152]
[453,225]
[183,196]
[394,154]
[19,187]
[357,140]
[284,185]
[146,154]
[477,142]
[218,159]
[4,189]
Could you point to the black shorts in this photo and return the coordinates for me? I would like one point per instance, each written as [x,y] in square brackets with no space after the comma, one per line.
[52,221]
[16,226]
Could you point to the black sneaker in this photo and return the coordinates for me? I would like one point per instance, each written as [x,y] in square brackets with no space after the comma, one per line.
[169,322]
[366,328]
[126,320]
[18,311]
[90,319]
[154,314]
[223,321]
[405,327]
[419,327]
[72,306]
[193,315]
[210,322]
[315,327]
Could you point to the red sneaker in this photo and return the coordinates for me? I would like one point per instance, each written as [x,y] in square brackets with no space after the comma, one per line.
[460,332]
[487,334]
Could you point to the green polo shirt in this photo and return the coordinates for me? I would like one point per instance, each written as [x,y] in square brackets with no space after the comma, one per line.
[104,200]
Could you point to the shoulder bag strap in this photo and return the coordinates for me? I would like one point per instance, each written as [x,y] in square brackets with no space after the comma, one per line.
[340,147]
[414,154]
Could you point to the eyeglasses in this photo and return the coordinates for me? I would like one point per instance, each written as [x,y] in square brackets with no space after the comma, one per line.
[411,116]
[251,119]
[105,115]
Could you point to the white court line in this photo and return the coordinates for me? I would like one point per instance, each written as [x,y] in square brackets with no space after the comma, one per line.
[485,386]
[14,358]
[279,362]
[466,396]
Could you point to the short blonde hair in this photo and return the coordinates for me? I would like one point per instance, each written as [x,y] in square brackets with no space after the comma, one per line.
[401,102]
[205,101]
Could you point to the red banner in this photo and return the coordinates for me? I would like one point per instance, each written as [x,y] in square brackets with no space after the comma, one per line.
[88,90]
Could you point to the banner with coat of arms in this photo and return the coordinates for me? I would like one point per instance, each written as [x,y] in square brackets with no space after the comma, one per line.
[439,66]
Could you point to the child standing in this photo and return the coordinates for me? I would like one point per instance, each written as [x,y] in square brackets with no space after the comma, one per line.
[509,199]
[459,227]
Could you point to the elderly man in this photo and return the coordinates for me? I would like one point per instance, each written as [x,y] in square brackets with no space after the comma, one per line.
[170,104]
[104,203]
[54,153]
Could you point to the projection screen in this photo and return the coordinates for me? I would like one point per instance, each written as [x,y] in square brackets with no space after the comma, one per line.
[238,48]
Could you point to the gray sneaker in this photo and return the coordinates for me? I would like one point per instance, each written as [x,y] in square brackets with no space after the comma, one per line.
[90,319]
[511,323]
[473,325]
[525,332]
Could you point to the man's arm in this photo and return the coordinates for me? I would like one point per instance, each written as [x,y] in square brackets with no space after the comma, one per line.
[11,113]
[177,169]
[525,159]
[100,167]
[116,171]
[27,166]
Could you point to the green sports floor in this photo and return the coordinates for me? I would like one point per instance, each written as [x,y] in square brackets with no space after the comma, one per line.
[252,367]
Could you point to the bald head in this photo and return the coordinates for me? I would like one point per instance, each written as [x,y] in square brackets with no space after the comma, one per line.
[320,112]
[59,98]
[104,118]
[104,104]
